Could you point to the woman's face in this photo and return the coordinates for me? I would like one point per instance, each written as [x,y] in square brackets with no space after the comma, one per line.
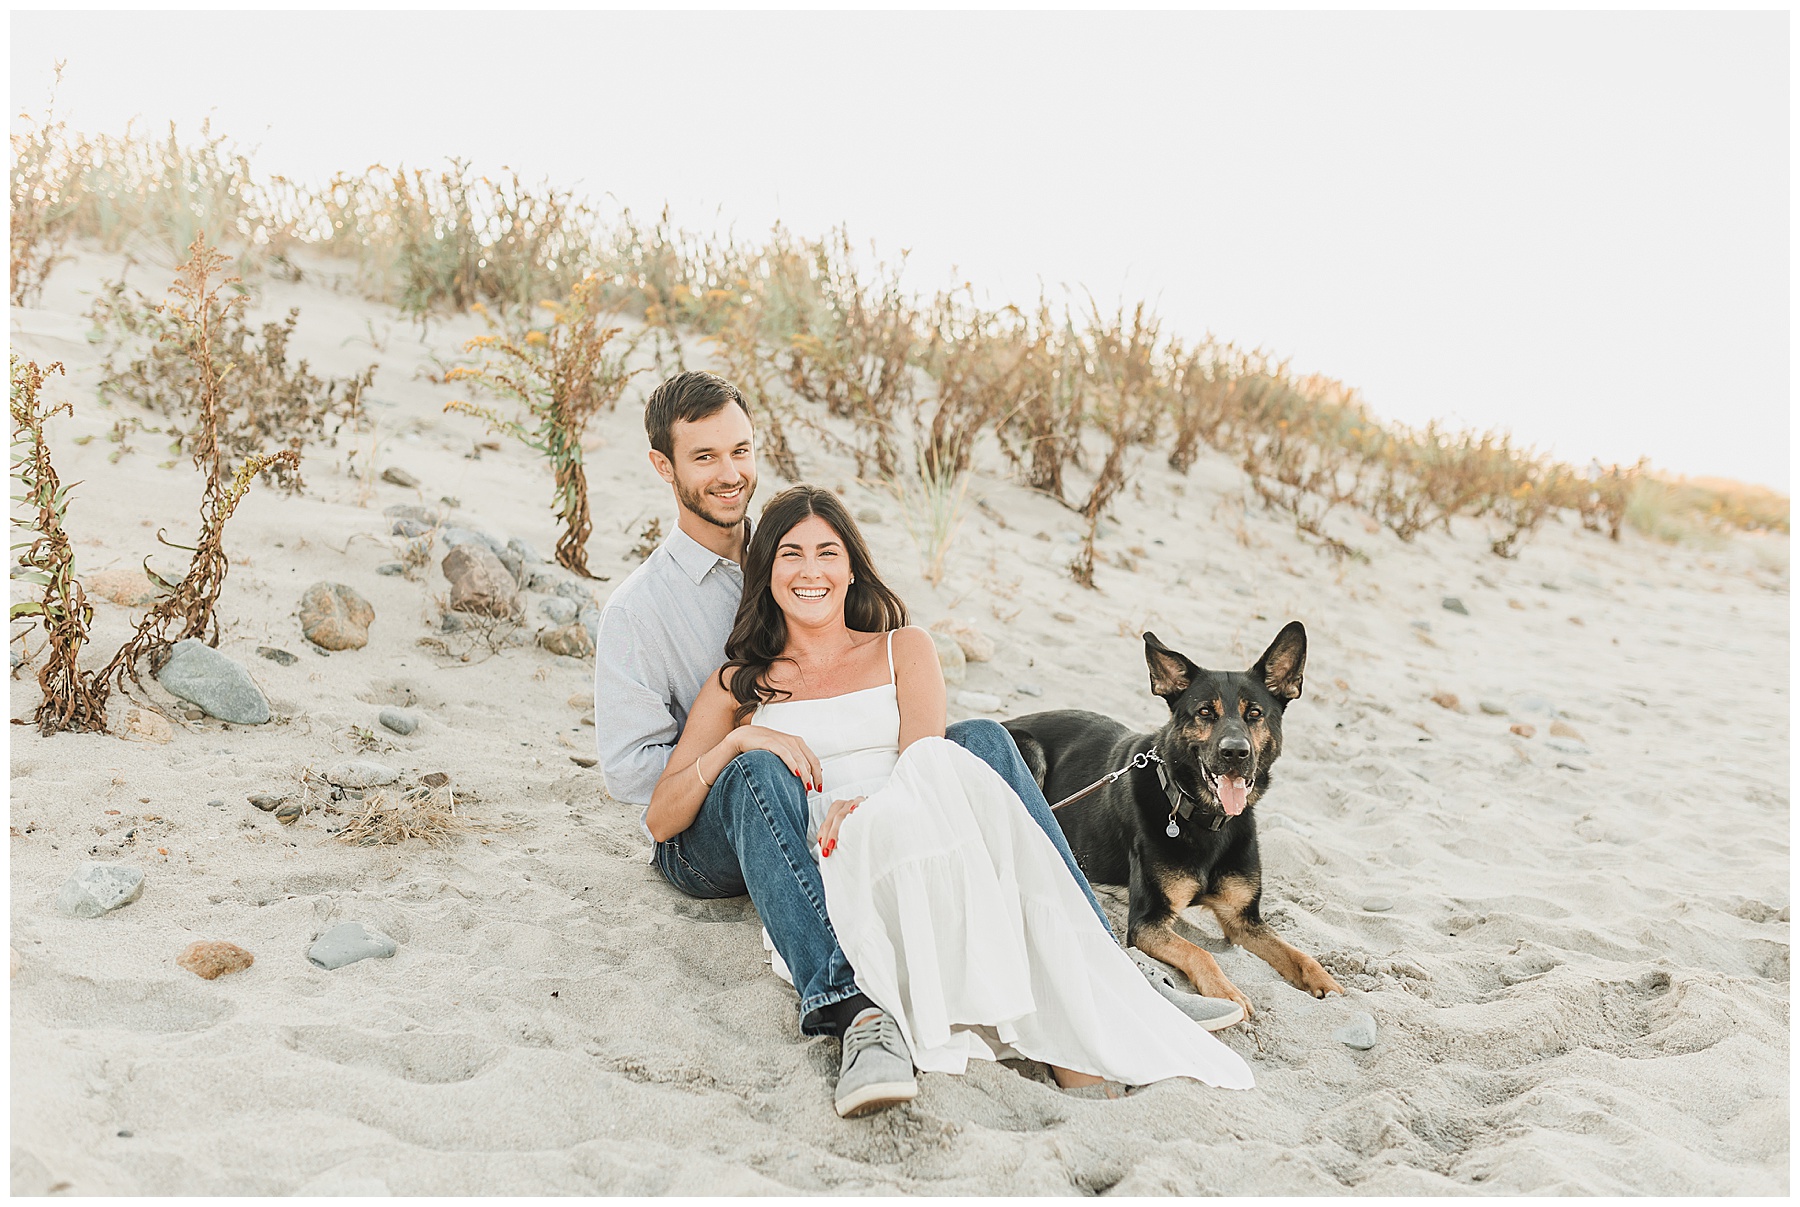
[811,572]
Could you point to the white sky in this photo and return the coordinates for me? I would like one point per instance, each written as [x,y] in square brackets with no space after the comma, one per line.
[1574,226]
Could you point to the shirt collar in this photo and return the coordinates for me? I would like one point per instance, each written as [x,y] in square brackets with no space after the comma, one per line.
[695,559]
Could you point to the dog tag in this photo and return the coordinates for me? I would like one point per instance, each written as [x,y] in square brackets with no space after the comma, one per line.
[1174,831]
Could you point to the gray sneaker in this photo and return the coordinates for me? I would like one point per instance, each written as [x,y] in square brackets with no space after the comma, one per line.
[1212,1013]
[877,1070]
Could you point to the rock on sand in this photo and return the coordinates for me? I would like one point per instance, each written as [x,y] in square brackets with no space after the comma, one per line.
[335,617]
[479,581]
[210,959]
[349,942]
[201,675]
[99,888]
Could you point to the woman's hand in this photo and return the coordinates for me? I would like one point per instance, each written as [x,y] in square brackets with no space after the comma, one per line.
[785,746]
[828,829]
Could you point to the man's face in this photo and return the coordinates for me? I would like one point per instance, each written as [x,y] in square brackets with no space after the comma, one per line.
[714,467]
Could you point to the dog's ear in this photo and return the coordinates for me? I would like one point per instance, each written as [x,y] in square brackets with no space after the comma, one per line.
[1170,673]
[1282,668]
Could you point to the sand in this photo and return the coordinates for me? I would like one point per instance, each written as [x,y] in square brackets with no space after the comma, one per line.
[1581,986]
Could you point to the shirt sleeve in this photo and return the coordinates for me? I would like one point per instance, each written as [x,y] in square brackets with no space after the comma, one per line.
[634,725]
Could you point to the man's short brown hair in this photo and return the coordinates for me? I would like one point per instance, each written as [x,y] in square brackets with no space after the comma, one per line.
[686,398]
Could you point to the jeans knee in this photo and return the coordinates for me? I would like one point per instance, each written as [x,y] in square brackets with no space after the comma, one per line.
[771,776]
[983,737]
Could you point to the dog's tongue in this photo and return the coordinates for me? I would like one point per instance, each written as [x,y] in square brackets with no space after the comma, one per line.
[1233,792]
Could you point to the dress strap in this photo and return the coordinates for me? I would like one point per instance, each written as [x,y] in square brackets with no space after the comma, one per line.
[892,678]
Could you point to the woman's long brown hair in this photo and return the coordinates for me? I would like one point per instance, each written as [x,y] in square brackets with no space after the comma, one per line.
[759,635]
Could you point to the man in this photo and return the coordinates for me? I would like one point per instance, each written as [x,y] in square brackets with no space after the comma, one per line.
[662,633]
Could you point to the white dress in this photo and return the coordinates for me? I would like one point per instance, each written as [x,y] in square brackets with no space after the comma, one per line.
[961,918]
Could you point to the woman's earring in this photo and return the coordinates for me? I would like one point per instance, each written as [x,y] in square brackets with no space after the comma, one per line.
[853,580]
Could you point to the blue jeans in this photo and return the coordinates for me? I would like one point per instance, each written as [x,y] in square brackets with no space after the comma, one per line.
[750,837]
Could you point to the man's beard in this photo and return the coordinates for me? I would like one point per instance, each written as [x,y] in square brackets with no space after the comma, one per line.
[704,506]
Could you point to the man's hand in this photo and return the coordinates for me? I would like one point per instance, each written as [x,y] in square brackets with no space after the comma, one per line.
[785,746]
[828,829]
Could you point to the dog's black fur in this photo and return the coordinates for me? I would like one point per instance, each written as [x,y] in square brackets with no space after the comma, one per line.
[1221,724]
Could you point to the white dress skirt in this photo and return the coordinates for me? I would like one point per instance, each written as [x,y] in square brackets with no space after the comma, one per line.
[961,919]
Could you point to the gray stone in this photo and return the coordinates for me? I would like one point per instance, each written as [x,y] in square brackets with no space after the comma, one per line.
[361,773]
[590,620]
[1533,704]
[515,565]
[1492,709]
[950,658]
[335,617]
[1377,905]
[428,516]
[391,569]
[560,611]
[1358,1033]
[215,803]
[278,657]
[543,579]
[868,515]
[1582,578]
[399,477]
[452,537]
[18,659]
[399,720]
[410,528]
[98,888]
[349,942]
[1453,604]
[1029,689]
[978,701]
[267,802]
[528,555]
[1424,626]
[201,675]
[576,590]
[1566,747]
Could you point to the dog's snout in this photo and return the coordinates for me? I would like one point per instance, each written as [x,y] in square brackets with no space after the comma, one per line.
[1234,749]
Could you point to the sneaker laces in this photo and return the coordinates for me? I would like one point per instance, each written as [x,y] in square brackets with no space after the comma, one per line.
[881,1031]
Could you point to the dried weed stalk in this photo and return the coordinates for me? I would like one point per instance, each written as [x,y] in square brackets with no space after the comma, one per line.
[45,197]
[72,699]
[188,609]
[1041,434]
[1126,393]
[563,375]
[269,401]
[851,346]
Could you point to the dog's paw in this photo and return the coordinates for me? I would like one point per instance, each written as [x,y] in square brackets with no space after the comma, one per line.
[1222,988]
[1316,981]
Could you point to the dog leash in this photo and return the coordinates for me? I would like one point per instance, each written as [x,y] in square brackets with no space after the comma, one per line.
[1138,761]
[1181,804]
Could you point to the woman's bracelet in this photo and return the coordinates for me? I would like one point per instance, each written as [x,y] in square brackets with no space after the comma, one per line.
[701,777]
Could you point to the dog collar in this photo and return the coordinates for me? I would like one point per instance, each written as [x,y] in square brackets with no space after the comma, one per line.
[1180,803]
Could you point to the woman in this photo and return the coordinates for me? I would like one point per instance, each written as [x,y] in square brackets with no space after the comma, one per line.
[955,910]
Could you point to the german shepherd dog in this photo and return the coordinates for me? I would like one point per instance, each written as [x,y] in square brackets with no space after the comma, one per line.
[1192,836]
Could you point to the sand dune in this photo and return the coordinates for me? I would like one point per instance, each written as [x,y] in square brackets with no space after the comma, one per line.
[1581,986]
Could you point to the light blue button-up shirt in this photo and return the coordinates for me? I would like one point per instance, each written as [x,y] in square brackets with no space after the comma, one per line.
[662,633]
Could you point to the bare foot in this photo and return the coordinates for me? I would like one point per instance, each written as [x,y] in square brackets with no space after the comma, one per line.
[1097,1087]
[1069,1079]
